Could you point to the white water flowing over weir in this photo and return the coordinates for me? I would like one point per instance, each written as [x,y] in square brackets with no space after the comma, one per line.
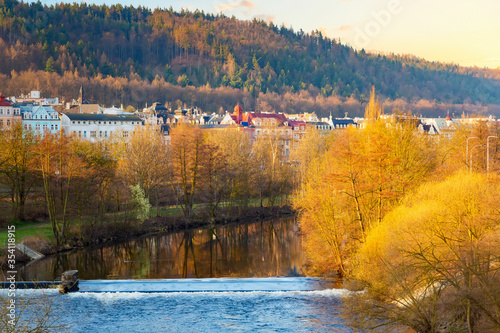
[206,305]
[204,285]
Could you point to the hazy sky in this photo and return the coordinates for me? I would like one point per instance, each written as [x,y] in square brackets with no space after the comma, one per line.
[466,32]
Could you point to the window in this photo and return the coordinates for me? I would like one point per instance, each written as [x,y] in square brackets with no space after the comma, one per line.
[80,134]
[125,134]
[52,127]
[84,134]
[30,127]
[37,127]
[100,134]
[25,126]
[8,111]
[56,127]
[1,123]
[106,133]
[93,134]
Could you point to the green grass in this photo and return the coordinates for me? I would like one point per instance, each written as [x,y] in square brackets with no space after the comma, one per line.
[43,230]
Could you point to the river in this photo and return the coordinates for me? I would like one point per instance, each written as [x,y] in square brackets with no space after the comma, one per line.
[236,278]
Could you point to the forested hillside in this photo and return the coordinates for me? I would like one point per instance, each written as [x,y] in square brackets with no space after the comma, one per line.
[135,55]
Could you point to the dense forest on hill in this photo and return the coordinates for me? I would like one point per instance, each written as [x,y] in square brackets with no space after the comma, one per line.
[137,55]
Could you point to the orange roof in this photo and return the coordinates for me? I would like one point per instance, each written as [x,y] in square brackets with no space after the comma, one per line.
[238,109]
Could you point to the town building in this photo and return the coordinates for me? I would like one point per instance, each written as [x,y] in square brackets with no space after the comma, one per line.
[9,114]
[257,125]
[94,127]
[41,119]
[34,97]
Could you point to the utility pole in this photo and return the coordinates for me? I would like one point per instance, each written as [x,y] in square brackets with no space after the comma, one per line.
[467,152]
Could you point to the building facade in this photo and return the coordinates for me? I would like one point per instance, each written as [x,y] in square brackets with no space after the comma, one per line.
[9,114]
[41,119]
[94,127]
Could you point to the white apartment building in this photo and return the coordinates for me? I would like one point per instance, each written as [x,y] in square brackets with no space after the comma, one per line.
[92,127]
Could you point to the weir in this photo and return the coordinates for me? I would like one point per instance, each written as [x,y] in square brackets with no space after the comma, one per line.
[69,283]
[275,284]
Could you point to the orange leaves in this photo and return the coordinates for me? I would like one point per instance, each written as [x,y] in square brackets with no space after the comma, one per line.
[359,180]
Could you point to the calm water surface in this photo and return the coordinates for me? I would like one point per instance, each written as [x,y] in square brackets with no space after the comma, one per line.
[271,248]
[237,278]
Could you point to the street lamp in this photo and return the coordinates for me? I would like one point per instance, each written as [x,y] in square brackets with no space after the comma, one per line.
[488,154]
[467,151]
[471,155]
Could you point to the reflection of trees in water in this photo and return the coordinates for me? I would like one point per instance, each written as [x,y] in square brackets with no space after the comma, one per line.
[268,248]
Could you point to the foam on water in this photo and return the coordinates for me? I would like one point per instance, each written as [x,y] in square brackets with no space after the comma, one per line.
[205,285]
[118,296]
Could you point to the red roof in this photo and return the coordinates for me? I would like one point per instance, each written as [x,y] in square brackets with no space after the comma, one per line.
[296,122]
[3,102]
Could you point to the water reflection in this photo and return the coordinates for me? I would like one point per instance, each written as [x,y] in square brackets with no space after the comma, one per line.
[271,248]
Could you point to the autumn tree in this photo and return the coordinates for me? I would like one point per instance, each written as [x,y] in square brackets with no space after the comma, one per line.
[273,174]
[359,179]
[433,261]
[312,147]
[216,176]
[59,166]
[241,164]
[96,184]
[17,169]
[186,157]
[143,161]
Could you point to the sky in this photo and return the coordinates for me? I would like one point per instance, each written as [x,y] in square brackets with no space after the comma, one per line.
[464,32]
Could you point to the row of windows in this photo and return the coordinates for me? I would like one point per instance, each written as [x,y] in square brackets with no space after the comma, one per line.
[323,127]
[7,122]
[39,116]
[280,132]
[93,134]
[53,127]
[103,122]
[8,111]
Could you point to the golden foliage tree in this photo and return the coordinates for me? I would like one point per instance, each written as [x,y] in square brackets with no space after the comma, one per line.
[360,178]
[59,166]
[143,161]
[18,170]
[186,154]
[433,262]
